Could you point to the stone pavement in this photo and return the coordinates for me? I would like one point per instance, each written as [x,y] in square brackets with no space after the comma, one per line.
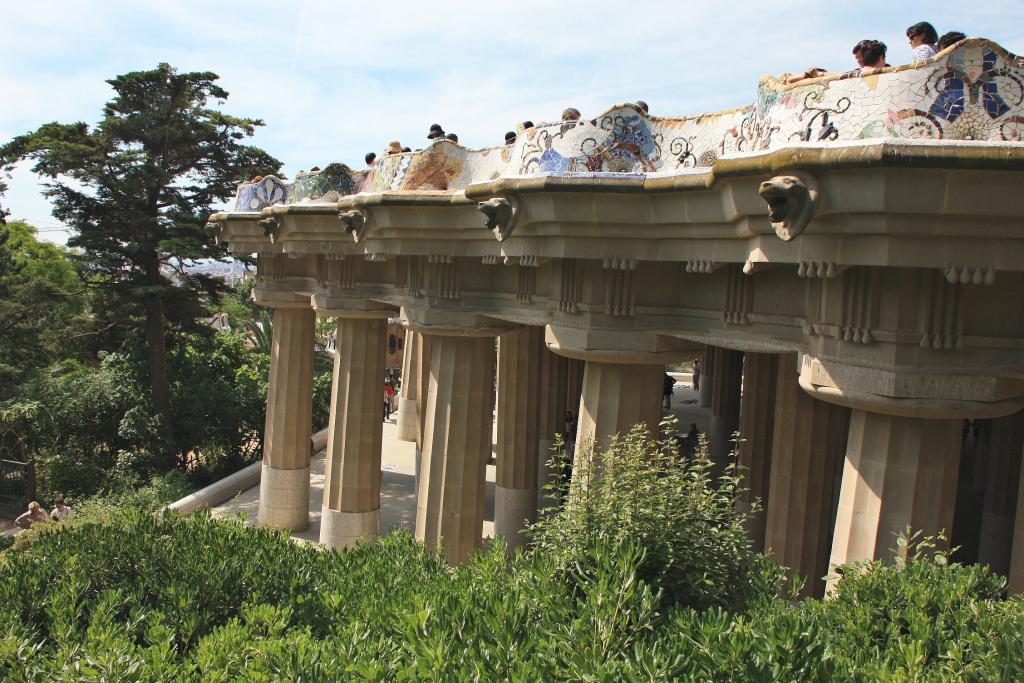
[398,467]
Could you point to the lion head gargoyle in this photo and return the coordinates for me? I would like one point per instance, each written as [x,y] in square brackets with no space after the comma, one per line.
[501,216]
[792,200]
[215,229]
[271,227]
[354,222]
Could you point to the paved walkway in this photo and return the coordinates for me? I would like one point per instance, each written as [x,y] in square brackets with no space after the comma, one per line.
[398,468]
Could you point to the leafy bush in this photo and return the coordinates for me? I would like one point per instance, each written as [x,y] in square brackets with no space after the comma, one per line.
[92,429]
[121,594]
[696,549]
[133,596]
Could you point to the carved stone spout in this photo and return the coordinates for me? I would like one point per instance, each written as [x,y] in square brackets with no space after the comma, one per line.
[501,215]
[792,200]
[354,222]
[271,227]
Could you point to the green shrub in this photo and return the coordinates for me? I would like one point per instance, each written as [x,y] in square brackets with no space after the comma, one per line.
[923,618]
[696,551]
[122,594]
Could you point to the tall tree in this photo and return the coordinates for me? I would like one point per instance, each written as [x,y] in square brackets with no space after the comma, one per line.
[137,188]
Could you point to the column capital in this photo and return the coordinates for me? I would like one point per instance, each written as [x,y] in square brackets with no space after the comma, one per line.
[327,305]
[454,323]
[633,347]
[822,385]
[281,298]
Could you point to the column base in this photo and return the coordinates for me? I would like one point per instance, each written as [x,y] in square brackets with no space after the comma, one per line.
[345,529]
[284,498]
[408,420]
[513,510]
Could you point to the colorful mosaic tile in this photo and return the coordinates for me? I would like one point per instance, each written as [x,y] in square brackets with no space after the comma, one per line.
[328,185]
[971,91]
[264,192]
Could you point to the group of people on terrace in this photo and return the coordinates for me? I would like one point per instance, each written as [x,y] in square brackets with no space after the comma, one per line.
[924,40]
[870,56]
[570,117]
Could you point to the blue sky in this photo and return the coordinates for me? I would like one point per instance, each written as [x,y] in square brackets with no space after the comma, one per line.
[334,80]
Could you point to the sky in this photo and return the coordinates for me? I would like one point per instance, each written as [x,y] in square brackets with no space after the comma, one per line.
[333,80]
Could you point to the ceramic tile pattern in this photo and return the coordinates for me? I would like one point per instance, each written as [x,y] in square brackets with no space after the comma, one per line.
[971,91]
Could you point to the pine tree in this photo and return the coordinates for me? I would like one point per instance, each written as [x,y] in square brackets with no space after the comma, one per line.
[136,190]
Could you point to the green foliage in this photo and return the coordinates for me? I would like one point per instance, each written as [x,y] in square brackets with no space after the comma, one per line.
[239,306]
[40,304]
[136,189]
[696,548]
[605,594]
[128,595]
[922,618]
[93,430]
[39,259]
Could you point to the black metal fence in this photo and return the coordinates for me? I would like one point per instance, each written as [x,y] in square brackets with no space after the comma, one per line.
[17,486]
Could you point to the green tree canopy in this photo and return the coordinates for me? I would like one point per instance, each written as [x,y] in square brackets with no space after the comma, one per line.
[41,259]
[136,190]
[40,295]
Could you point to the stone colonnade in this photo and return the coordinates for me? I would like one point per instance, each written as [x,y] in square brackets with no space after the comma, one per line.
[836,483]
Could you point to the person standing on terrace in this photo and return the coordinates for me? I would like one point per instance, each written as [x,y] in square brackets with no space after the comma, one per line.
[870,55]
[949,39]
[922,37]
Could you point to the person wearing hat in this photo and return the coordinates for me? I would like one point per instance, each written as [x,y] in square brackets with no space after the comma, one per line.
[394,147]
[510,137]
[436,131]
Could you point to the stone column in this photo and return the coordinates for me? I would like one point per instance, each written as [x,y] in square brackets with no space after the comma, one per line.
[809,437]
[1016,577]
[707,373]
[351,506]
[423,383]
[518,415]
[284,483]
[574,388]
[899,472]
[554,378]
[1001,481]
[408,414]
[725,403]
[616,397]
[456,444]
[757,420]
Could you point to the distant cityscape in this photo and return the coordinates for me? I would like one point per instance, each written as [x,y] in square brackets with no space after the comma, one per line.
[232,271]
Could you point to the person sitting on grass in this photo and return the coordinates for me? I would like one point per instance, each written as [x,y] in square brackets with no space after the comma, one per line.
[34,515]
[62,511]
